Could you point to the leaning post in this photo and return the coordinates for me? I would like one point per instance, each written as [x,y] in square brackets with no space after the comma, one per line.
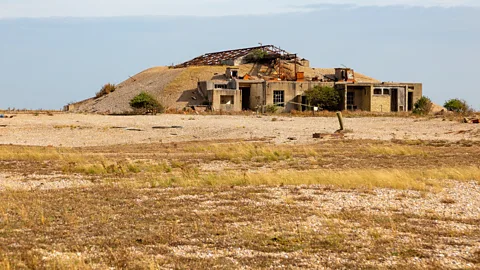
[340,120]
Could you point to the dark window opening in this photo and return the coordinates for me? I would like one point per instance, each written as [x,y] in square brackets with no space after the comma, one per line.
[377,91]
[279,98]
[220,86]
[226,100]
[386,91]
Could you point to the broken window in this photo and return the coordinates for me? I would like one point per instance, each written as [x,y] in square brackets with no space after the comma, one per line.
[377,91]
[386,91]
[224,99]
[279,98]
[350,98]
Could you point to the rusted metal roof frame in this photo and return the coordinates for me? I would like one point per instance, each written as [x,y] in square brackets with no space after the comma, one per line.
[219,58]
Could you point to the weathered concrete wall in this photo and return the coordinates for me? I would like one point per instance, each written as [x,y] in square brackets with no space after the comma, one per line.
[417,91]
[362,97]
[204,86]
[381,103]
[215,98]
[256,95]
[367,98]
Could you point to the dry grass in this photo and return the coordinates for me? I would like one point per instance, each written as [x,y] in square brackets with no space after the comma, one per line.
[245,152]
[397,150]
[204,227]
[406,179]
[224,204]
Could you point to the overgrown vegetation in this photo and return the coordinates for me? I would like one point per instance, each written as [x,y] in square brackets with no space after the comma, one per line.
[423,106]
[324,97]
[272,108]
[144,102]
[105,90]
[255,56]
[457,105]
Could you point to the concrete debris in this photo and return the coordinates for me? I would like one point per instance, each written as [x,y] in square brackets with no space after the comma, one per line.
[292,138]
[471,120]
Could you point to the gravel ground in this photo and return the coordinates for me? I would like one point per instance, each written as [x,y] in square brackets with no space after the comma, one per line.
[75,130]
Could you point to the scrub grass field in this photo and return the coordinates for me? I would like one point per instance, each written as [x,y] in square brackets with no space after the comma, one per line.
[241,204]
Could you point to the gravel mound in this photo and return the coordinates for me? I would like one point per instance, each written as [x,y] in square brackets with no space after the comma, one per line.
[152,81]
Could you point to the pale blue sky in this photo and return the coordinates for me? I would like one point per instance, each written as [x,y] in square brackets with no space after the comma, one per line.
[48,62]
[102,8]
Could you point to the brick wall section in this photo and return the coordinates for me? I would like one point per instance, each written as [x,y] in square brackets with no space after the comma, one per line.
[381,103]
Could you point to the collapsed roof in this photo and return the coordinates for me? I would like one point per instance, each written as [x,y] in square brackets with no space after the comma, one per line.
[220,58]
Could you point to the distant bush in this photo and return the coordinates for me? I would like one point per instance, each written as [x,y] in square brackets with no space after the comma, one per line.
[106,89]
[457,105]
[423,106]
[145,102]
[327,98]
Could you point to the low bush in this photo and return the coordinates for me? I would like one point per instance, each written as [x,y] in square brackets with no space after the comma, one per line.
[457,105]
[423,106]
[106,89]
[327,98]
[144,102]
[271,108]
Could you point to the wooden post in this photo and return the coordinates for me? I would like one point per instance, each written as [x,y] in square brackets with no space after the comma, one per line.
[340,120]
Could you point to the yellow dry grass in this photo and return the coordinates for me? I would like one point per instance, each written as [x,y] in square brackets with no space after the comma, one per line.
[244,152]
[397,150]
[403,179]
[29,153]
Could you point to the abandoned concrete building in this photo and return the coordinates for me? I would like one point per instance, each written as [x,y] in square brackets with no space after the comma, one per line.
[281,78]
[255,79]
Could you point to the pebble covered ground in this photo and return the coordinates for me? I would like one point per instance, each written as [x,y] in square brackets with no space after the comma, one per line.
[76,130]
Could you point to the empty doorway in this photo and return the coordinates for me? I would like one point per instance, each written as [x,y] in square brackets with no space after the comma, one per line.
[245,98]
[410,101]
[394,100]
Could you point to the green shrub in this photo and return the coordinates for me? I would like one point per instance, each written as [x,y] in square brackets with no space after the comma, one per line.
[106,89]
[457,105]
[256,56]
[327,98]
[423,106]
[271,108]
[146,102]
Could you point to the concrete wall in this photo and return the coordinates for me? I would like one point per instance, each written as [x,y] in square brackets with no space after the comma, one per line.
[362,97]
[215,97]
[417,91]
[204,86]
[256,95]
[380,103]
